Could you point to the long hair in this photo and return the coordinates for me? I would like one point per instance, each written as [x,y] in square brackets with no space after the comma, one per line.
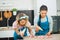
[19,16]
[43,7]
[39,21]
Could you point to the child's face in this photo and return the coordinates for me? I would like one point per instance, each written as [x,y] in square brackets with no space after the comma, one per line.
[22,22]
[43,13]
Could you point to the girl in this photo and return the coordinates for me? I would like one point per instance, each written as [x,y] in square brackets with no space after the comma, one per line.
[43,23]
[20,26]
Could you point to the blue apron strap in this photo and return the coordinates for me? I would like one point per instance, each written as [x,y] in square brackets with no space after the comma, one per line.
[25,34]
[16,36]
[47,18]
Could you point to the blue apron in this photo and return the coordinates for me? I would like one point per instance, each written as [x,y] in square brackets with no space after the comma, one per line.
[16,36]
[44,26]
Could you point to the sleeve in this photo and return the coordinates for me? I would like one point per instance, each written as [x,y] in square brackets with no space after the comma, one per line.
[14,24]
[50,24]
[36,21]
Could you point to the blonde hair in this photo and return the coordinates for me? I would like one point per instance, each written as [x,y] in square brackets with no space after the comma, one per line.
[20,15]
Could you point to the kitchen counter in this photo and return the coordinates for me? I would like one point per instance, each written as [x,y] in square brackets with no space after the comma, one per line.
[7,33]
[53,37]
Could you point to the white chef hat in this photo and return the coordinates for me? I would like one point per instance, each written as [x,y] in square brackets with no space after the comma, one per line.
[24,17]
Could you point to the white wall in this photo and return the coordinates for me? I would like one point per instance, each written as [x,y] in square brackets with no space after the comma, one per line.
[58,7]
[51,4]
[30,5]
[58,4]
[19,4]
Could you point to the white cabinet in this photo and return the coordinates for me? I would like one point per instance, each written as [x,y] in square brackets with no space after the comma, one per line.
[6,33]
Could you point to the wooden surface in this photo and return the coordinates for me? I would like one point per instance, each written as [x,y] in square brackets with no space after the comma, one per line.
[52,37]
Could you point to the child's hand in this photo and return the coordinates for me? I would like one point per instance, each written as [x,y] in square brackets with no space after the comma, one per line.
[21,33]
[49,33]
[38,28]
[31,36]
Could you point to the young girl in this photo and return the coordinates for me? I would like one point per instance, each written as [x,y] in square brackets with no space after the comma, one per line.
[43,23]
[20,26]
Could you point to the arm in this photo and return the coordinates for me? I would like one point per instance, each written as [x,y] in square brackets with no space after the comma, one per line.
[28,25]
[50,25]
[15,27]
[37,28]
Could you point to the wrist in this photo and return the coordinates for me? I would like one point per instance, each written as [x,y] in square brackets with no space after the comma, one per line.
[50,32]
[18,33]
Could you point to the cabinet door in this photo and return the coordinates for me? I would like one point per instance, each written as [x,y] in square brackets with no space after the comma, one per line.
[58,24]
[55,24]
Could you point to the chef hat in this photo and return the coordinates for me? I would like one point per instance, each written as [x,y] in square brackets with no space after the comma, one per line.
[24,17]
